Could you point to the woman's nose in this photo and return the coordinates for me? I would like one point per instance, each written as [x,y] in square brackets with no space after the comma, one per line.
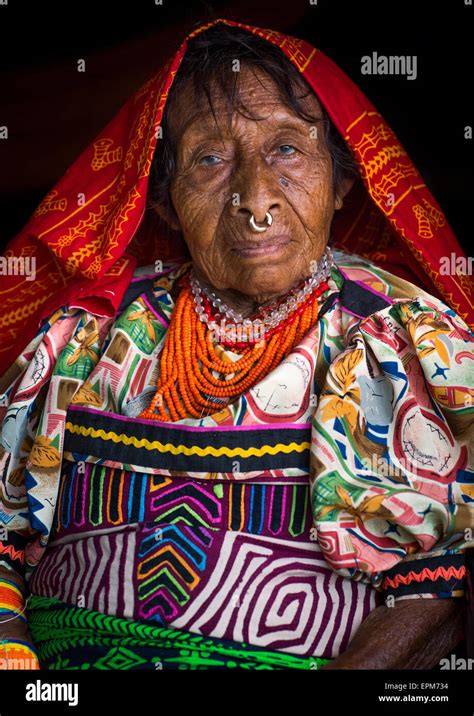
[255,191]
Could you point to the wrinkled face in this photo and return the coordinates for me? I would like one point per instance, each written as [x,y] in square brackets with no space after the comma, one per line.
[226,171]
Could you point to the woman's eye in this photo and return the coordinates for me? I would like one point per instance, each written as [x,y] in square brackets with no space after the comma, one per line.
[286,149]
[209,160]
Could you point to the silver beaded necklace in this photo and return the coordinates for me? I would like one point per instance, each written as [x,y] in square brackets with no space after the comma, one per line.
[272,315]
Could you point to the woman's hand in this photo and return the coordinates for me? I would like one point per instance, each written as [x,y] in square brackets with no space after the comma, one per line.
[414,634]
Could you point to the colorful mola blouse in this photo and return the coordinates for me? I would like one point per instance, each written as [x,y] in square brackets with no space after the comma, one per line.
[343,478]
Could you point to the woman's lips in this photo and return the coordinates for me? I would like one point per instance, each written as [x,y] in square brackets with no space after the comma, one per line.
[263,247]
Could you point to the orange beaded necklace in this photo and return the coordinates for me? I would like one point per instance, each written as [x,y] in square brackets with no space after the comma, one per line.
[195,371]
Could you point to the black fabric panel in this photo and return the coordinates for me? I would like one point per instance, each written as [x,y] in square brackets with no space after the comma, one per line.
[232,439]
[360,300]
[440,585]
[135,289]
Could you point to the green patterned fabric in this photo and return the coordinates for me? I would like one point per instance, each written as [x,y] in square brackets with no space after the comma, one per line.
[69,637]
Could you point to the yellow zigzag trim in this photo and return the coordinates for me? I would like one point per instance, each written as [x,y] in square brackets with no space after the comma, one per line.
[182,449]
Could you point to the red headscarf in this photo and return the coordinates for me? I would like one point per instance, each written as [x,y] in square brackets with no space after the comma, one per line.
[91,230]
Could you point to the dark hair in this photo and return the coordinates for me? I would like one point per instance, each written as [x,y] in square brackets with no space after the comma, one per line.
[206,65]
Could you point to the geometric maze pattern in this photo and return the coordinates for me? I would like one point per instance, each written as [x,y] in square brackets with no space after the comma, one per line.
[231,559]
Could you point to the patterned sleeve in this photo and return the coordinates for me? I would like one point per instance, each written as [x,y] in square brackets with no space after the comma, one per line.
[392,457]
[29,395]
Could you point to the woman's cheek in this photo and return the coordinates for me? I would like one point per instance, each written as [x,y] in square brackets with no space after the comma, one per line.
[198,216]
[321,193]
[313,198]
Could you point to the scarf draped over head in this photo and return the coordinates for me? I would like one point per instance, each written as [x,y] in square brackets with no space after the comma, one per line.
[91,230]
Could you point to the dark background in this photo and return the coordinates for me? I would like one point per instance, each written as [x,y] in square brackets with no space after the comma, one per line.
[53,112]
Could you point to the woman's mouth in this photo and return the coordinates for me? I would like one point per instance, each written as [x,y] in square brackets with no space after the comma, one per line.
[263,247]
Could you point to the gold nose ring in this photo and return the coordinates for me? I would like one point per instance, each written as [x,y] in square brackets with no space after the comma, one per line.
[258,228]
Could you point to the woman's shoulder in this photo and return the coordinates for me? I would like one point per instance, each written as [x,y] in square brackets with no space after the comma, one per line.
[156,279]
[368,290]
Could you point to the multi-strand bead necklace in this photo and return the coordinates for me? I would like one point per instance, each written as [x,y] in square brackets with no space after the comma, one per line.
[196,376]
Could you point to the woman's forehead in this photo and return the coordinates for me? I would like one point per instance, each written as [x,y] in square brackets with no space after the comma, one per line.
[257,96]
[204,124]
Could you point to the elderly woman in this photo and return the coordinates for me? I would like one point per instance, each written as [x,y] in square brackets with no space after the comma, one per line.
[254,452]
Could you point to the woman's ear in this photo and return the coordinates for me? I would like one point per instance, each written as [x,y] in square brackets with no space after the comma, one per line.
[344,188]
[168,215]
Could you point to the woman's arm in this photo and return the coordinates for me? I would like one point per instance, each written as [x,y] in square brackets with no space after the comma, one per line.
[24,392]
[392,479]
[413,634]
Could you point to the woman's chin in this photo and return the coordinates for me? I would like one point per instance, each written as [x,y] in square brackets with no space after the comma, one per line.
[263,286]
